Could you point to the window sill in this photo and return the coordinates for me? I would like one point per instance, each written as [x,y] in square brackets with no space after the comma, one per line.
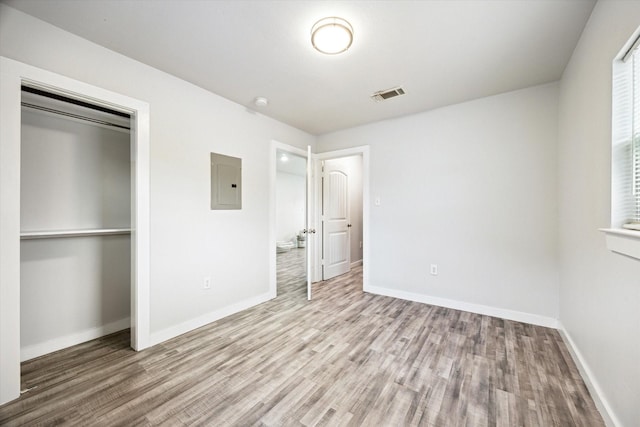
[621,241]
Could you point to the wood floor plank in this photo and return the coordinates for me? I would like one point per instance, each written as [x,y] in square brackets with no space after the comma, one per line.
[346,358]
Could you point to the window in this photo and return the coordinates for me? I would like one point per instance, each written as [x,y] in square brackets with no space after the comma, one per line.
[625,165]
[634,216]
[624,235]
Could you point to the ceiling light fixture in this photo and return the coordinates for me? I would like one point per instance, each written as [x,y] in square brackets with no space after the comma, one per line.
[261,101]
[284,158]
[331,35]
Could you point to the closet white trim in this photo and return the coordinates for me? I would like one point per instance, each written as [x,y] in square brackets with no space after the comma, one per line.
[13,75]
[72,116]
[70,109]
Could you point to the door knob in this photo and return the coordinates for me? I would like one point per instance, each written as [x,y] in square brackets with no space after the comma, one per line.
[348,225]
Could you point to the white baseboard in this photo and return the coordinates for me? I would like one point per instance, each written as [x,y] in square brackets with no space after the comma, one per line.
[356,263]
[36,350]
[590,381]
[190,325]
[518,316]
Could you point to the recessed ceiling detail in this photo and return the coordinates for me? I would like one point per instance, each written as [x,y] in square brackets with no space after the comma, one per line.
[383,95]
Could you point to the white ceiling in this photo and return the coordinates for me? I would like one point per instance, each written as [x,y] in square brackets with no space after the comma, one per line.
[442,52]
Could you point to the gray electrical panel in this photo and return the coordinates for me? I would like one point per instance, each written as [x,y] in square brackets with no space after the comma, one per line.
[226,182]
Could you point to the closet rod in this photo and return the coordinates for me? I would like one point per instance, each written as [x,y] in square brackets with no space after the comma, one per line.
[75,116]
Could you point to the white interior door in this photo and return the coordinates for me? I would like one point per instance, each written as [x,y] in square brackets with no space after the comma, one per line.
[336,246]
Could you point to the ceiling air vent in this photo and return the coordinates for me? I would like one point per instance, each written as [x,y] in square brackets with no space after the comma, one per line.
[382,95]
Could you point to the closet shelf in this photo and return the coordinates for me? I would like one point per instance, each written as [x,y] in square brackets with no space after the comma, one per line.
[53,234]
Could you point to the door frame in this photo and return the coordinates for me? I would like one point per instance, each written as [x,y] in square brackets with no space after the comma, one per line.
[329,155]
[275,146]
[13,75]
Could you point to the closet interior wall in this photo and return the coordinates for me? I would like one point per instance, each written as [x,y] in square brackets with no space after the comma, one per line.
[75,213]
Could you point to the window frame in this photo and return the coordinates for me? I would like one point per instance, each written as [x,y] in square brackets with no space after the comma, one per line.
[622,237]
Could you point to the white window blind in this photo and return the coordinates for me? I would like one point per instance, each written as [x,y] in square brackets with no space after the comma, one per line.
[626,142]
[635,145]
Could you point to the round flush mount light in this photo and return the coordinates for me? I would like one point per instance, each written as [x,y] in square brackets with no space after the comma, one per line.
[331,35]
[261,102]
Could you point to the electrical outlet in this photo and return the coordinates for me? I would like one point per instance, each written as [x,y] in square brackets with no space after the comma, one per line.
[207,283]
[433,269]
[377,201]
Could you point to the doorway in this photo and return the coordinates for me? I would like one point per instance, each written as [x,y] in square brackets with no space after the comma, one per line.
[350,161]
[16,74]
[288,237]
[291,232]
[75,222]
[341,215]
[314,187]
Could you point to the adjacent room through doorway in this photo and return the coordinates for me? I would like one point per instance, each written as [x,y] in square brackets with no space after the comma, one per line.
[291,235]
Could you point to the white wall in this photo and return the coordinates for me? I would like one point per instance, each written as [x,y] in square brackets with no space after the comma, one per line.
[72,290]
[472,188]
[600,290]
[188,240]
[74,175]
[291,193]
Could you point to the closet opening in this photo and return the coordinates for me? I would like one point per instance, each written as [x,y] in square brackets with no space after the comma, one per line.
[76,175]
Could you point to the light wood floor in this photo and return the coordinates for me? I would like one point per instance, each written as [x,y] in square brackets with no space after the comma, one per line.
[346,358]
